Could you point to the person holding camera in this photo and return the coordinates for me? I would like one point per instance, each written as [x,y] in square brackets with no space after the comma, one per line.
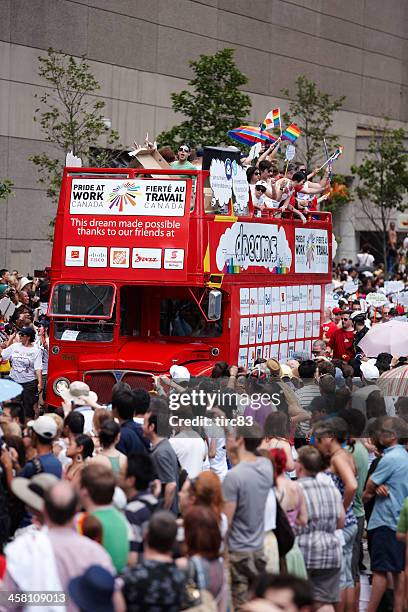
[26,366]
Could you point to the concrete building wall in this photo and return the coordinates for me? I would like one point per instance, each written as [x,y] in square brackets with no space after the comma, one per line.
[139,52]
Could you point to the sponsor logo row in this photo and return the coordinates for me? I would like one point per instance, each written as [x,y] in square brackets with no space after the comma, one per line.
[123,257]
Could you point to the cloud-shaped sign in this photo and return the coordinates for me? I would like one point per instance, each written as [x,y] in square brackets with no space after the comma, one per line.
[254,244]
[220,183]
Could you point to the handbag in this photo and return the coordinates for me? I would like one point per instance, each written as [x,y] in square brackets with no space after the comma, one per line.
[196,597]
[283,532]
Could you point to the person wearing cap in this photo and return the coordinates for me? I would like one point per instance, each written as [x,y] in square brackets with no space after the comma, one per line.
[259,197]
[31,492]
[26,366]
[80,398]
[93,591]
[360,329]
[43,432]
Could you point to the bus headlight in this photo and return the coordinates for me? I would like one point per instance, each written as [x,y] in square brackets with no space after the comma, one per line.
[60,384]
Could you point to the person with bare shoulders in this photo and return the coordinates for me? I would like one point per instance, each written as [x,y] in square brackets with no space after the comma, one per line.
[109,435]
[276,432]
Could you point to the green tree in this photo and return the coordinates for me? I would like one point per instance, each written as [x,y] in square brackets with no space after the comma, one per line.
[313,111]
[213,104]
[383,179]
[70,118]
[6,189]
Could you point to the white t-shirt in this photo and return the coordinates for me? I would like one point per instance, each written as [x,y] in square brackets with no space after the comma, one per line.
[365,260]
[88,413]
[191,452]
[218,464]
[25,360]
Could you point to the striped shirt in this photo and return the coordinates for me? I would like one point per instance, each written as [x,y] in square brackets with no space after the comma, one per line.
[305,396]
[317,540]
[138,512]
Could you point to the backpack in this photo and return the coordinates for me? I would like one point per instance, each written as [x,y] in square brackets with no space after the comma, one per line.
[283,532]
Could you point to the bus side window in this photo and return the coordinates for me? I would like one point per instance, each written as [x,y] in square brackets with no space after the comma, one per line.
[130,310]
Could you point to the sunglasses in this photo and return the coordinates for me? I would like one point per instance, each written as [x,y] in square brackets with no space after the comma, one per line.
[257,173]
[184,149]
[345,319]
[261,189]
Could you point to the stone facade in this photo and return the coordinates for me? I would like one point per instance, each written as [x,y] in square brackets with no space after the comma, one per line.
[139,51]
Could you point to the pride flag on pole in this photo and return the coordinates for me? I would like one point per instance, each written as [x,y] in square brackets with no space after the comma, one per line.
[271,120]
[291,133]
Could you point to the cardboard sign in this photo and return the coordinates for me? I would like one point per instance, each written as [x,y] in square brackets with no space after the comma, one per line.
[376,299]
[350,287]
[393,286]
[220,180]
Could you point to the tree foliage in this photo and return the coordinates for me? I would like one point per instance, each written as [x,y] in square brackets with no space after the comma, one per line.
[69,117]
[213,104]
[6,189]
[340,193]
[313,111]
[383,179]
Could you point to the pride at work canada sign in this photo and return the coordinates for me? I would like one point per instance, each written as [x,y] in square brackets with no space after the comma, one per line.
[130,225]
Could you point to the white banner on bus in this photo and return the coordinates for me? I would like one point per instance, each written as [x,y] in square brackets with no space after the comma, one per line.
[311,251]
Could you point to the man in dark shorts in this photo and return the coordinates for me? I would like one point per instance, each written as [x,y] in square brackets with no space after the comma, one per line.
[389,485]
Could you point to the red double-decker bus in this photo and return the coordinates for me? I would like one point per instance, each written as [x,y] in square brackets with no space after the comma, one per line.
[149,269]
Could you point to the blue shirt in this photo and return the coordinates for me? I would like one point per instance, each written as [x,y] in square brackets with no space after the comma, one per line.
[131,439]
[392,471]
[49,463]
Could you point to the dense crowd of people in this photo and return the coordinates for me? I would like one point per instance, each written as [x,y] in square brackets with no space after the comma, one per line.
[274,191]
[279,496]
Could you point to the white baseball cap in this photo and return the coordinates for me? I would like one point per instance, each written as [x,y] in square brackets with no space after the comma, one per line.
[179,373]
[44,426]
[369,370]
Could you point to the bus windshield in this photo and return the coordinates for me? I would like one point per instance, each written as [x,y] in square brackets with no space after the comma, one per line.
[82,300]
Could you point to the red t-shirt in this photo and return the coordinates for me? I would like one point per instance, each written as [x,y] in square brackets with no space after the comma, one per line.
[328,329]
[341,342]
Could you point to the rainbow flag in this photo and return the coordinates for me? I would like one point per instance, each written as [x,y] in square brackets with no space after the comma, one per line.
[291,133]
[271,120]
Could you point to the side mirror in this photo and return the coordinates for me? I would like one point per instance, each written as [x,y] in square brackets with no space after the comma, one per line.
[214,305]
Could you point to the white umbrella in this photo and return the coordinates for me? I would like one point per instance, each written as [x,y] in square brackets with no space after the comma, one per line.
[390,337]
